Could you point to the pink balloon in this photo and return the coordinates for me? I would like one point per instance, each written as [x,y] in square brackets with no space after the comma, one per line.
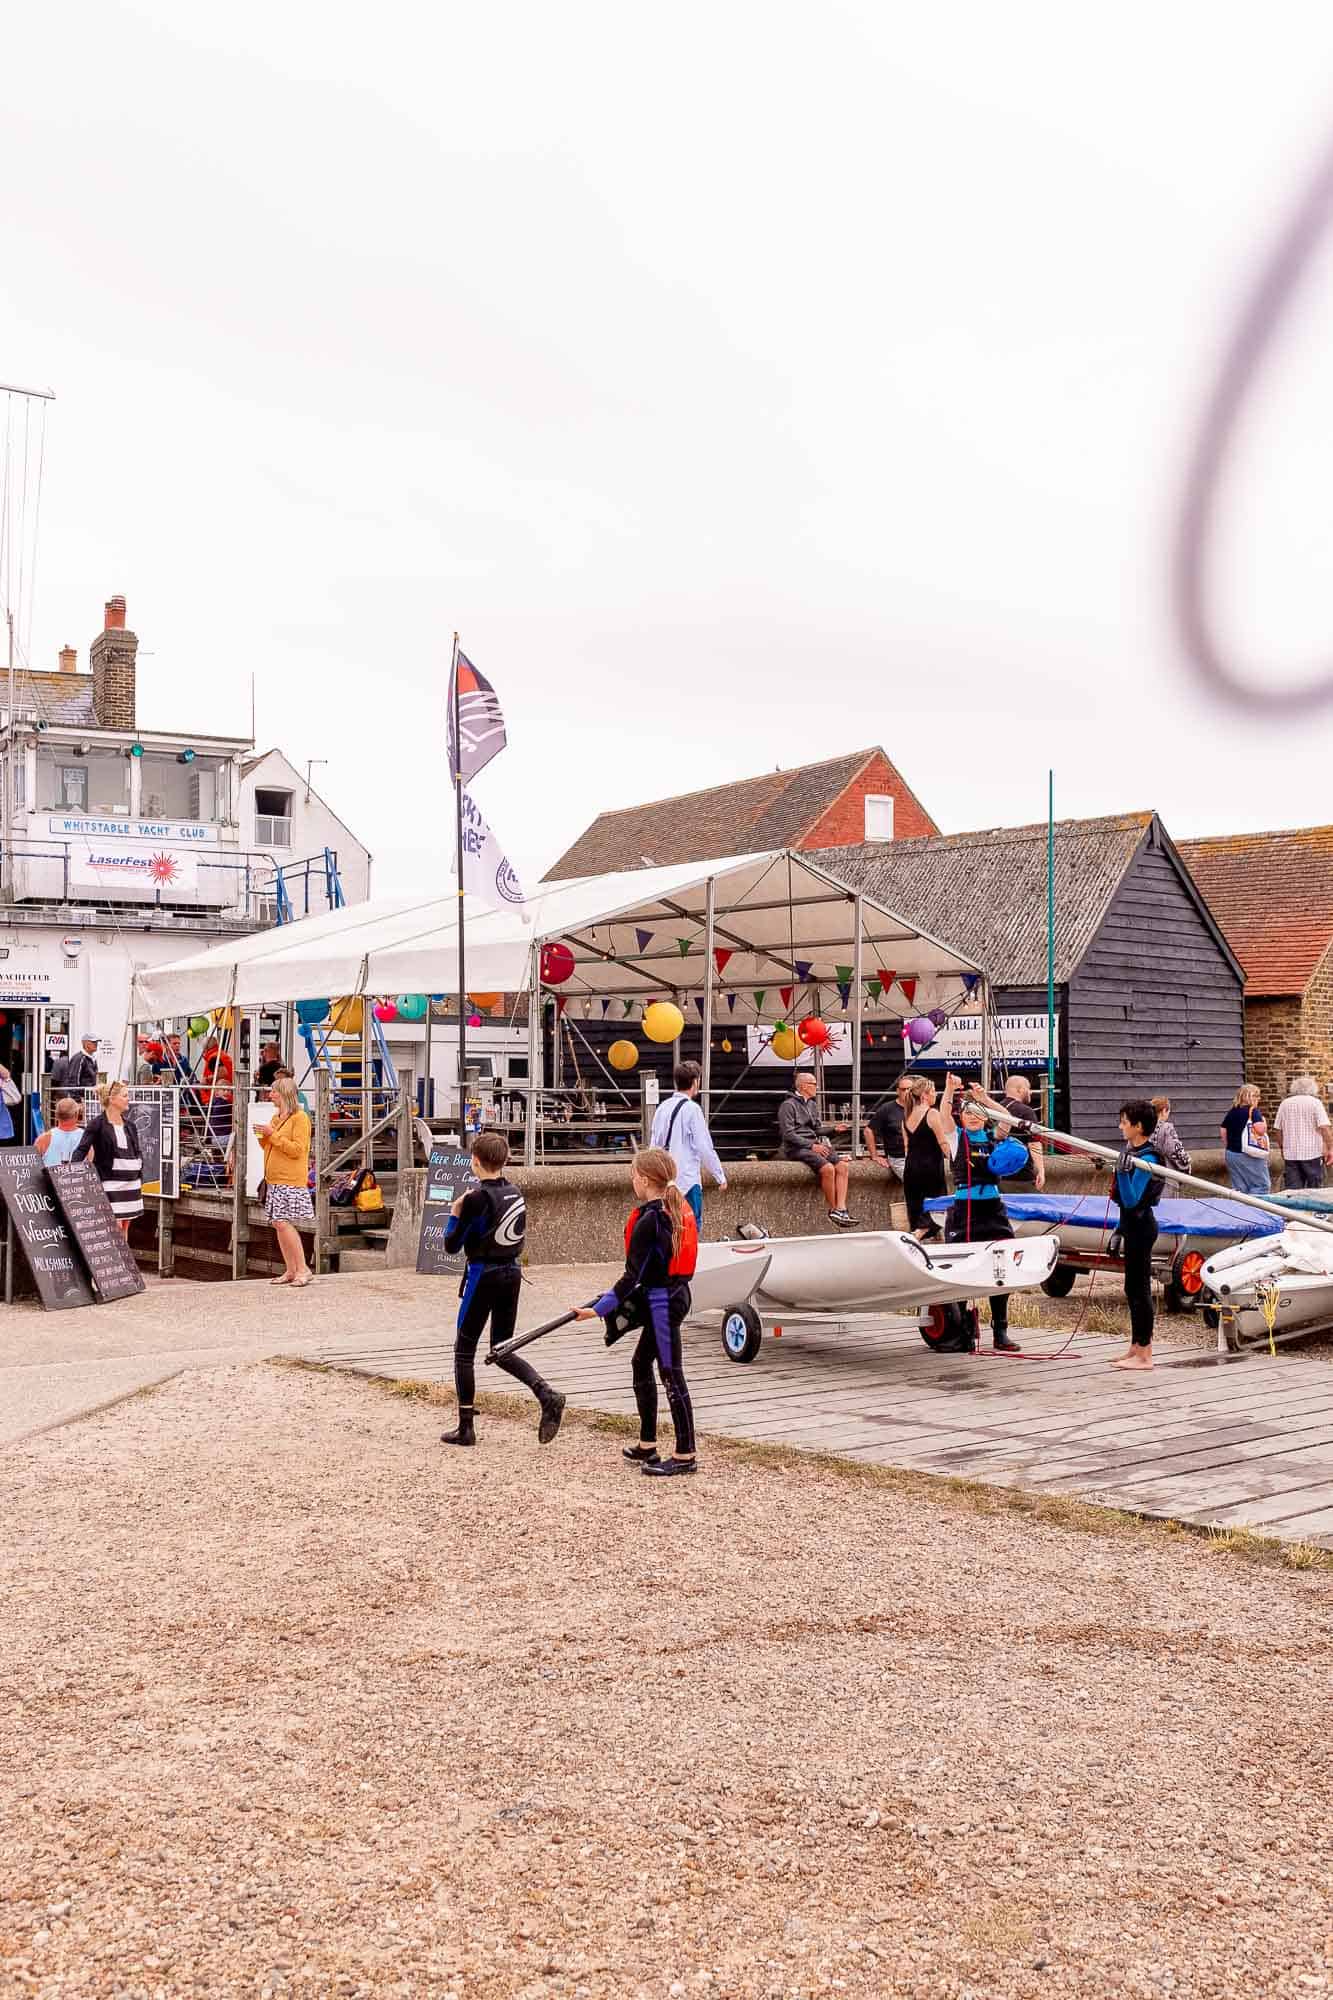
[385,1010]
[474,1020]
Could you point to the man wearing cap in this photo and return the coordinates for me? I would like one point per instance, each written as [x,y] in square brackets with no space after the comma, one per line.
[77,1072]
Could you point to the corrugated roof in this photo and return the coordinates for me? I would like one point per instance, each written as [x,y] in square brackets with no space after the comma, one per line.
[1272,893]
[54,697]
[749,816]
[986,892]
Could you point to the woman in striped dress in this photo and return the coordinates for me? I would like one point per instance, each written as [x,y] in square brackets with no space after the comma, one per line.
[112,1138]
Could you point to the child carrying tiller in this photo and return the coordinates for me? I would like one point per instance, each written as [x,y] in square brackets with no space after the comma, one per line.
[653,1293]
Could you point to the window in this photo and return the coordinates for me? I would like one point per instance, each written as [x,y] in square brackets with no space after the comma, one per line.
[169,789]
[96,781]
[273,818]
[879,817]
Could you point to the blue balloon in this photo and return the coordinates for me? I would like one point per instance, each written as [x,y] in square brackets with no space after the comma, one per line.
[311,1012]
[1009,1157]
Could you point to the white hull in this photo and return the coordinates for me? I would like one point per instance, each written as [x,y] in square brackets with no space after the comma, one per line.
[873,1271]
[1304,1297]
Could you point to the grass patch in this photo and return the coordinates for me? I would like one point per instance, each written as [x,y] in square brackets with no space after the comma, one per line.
[971,1496]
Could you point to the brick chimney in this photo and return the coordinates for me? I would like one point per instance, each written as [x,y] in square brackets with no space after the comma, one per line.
[69,660]
[112,655]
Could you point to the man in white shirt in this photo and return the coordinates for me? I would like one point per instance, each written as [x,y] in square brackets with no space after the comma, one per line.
[679,1129]
[1305,1134]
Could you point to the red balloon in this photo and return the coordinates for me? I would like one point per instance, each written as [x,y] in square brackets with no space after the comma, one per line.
[814,1032]
[557,964]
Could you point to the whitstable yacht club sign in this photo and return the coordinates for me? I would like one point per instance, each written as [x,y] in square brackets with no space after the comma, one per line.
[151,856]
[1017,1040]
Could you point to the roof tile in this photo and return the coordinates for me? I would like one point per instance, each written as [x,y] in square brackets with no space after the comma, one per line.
[1272,894]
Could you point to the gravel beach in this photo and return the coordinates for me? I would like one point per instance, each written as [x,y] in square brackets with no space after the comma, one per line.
[299,1703]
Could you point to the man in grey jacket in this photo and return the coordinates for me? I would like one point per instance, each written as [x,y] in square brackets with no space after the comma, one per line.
[802,1133]
[77,1072]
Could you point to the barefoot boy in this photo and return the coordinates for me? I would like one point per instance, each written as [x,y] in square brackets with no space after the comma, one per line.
[1138,1194]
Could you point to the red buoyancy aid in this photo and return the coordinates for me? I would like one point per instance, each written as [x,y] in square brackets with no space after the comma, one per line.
[683,1263]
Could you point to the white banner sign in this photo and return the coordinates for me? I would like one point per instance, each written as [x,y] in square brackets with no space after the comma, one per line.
[837,1055]
[1018,1041]
[174,832]
[140,871]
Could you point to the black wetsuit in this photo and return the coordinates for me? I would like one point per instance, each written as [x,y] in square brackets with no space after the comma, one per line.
[489,1230]
[923,1172]
[657,1303]
[1138,1194]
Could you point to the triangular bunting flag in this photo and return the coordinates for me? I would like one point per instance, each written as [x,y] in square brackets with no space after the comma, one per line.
[683,946]
[909,988]
[844,994]
[722,957]
[561,1002]
[872,995]
[644,939]
[785,993]
[606,1008]
[759,999]
[886,980]
[802,969]
[629,1008]
[843,974]
[970,981]
[731,1003]
[699,1003]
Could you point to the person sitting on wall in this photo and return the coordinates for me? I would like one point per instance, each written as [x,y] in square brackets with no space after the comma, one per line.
[802,1134]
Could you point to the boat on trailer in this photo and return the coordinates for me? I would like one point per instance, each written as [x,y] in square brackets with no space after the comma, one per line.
[784,1281]
[1188,1233]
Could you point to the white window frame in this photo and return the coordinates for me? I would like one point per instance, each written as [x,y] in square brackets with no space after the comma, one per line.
[875,828]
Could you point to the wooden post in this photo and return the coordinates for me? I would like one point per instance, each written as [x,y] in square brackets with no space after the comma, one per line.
[166,1237]
[240,1137]
[367,1093]
[406,1133]
[323,1096]
[858,1019]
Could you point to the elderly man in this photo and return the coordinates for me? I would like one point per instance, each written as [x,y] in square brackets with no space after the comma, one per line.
[1305,1134]
[802,1133]
[77,1072]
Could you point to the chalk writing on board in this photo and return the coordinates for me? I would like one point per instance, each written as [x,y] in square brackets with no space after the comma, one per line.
[40,1232]
[102,1245]
[448,1174]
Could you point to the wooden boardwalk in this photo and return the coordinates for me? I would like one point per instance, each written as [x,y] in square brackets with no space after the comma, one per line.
[1203,1439]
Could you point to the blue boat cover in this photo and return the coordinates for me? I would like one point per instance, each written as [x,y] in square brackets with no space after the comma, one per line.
[1174,1218]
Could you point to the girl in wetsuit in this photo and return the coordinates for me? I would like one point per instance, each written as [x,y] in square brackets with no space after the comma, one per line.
[653,1293]
[923,1163]
[981,1159]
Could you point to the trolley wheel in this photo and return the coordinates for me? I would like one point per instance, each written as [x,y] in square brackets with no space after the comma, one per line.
[742,1331]
[1175,1299]
[1212,1318]
[1060,1283]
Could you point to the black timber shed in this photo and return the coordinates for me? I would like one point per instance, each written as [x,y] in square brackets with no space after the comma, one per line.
[1148,994]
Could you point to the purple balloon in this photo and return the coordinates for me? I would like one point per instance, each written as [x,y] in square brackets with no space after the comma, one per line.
[938,1016]
[920,1032]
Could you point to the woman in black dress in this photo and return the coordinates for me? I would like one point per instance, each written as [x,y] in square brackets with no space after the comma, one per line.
[923,1166]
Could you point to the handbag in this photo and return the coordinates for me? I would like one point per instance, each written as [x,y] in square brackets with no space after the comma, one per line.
[11,1093]
[1254,1145]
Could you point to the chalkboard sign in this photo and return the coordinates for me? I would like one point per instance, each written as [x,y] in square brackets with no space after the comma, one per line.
[448,1174]
[40,1231]
[94,1228]
[156,1115]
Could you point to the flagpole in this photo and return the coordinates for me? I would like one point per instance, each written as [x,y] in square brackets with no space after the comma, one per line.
[458,853]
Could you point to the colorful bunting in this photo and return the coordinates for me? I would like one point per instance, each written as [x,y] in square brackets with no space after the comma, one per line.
[645,938]
[784,994]
[722,956]
[699,1003]
[886,980]
[844,996]
[731,1003]
[970,980]
[561,1002]
[872,995]
[683,946]
[759,999]
[803,969]
[843,974]
[629,1008]
[909,988]
[606,1008]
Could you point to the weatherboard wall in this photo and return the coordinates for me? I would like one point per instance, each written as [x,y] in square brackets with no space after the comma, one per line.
[1154,1005]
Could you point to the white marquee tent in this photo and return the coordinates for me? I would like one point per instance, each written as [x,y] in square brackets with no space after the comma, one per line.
[702,927]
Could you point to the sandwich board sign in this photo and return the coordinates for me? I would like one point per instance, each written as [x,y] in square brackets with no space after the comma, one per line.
[448,1174]
[40,1230]
[90,1221]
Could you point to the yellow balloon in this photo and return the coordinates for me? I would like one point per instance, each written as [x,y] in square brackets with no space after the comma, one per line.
[224,1019]
[346,1015]
[785,1045]
[622,1055]
[662,1022]
[726,1048]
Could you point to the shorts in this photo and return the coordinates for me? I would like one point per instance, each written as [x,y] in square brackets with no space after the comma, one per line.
[808,1157]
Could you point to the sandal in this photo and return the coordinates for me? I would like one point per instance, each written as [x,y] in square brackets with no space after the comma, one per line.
[284,1280]
[301,1283]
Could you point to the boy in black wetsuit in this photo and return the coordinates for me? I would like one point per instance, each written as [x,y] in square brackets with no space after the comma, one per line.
[488,1224]
[1138,1194]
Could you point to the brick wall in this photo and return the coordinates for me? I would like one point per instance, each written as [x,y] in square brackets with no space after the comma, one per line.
[845,821]
[112,656]
[1284,1037]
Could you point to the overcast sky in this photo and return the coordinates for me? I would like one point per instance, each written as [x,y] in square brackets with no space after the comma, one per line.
[746,384]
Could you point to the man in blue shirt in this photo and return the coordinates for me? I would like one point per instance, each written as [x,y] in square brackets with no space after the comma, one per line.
[679,1129]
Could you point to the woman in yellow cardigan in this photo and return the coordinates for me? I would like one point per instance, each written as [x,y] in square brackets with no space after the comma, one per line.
[286,1144]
